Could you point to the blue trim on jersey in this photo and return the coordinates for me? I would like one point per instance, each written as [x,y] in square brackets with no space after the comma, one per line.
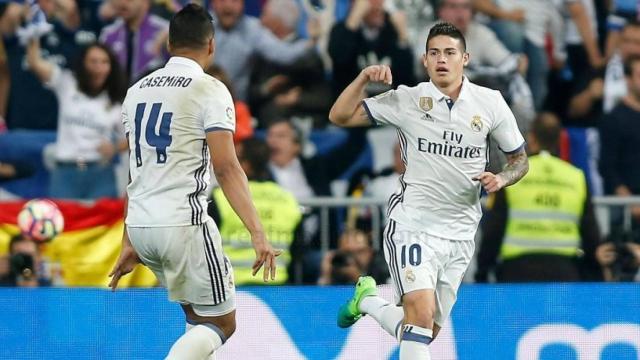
[369,115]
[449,103]
[517,150]
[217,128]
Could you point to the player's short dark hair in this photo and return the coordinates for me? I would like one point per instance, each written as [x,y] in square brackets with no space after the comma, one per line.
[446,29]
[191,27]
[628,65]
[546,128]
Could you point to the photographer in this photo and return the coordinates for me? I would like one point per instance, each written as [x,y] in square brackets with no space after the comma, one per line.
[24,264]
[620,257]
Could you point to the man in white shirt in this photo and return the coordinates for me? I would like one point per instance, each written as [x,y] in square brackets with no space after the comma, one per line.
[443,126]
[177,119]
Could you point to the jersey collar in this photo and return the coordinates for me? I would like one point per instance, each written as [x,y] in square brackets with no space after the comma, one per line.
[439,96]
[179,60]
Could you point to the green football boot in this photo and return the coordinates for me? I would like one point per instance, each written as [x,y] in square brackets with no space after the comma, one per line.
[349,313]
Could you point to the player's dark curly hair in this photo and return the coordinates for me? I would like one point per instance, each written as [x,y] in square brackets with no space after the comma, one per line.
[115,84]
[446,29]
[191,28]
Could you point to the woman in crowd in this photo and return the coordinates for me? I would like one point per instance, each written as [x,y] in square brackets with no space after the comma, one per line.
[90,131]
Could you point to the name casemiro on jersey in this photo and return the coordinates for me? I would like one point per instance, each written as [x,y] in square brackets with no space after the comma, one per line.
[166,81]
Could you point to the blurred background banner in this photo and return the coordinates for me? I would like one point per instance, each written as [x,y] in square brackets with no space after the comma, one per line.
[88,247]
[581,322]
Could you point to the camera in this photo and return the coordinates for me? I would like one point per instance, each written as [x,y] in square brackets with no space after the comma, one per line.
[625,267]
[21,268]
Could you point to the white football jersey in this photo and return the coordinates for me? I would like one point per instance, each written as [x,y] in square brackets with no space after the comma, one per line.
[166,116]
[443,149]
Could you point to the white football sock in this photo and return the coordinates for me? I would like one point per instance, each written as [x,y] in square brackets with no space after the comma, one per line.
[387,315]
[198,343]
[191,326]
[415,341]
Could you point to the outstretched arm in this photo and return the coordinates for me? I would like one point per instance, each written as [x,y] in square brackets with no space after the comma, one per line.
[40,67]
[233,182]
[517,167]
[348,110]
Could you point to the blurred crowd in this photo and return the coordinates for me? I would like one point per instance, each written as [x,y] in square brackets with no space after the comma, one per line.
[560,64]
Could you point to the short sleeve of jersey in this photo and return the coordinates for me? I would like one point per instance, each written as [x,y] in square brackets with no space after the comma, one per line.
[505,128]
[219,112]
[125,120]
[384,109]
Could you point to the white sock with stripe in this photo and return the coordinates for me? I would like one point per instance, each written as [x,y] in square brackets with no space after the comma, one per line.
[414,344]
[198,342]
[387,315]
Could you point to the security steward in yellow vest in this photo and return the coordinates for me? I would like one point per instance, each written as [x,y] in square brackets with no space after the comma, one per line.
[543,228]
[277,208]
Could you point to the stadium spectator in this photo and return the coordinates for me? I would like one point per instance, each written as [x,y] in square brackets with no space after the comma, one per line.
[356,243]
[30,104]
[244,119]
[620,136]
[621,12]
[344,269]
[134,38]
[526,31]
[23,267]
[542,228]
[620,257]
[585,104]
[309,177]
[615,83]
[239,37]
[89,127]
[278,210]
[368,36]
[285,91]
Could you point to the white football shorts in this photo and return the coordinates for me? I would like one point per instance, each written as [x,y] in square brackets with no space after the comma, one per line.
[190,263]
[419,261]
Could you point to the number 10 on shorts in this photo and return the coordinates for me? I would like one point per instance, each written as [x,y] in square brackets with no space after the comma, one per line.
[414,254]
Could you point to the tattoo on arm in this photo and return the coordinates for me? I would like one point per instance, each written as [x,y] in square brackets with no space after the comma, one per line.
[517,167]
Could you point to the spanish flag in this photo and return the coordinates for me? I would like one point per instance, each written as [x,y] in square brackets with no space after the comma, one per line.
[88,247]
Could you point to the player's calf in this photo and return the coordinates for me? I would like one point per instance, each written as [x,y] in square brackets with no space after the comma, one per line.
[417,331]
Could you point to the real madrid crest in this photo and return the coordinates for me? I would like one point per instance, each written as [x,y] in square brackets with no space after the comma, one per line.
[476,123]
[426,103]
[410,276]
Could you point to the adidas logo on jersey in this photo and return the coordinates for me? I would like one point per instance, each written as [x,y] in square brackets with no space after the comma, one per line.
[427,117]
